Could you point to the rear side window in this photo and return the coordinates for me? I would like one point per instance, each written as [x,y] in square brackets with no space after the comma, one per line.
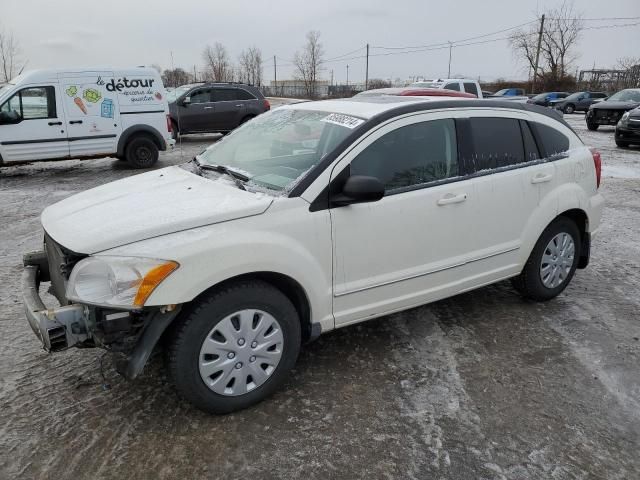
[530,148]
[244,95]
[224,94]
[412,155]
[453,86]
[497,142]
[471,88]
[553,141]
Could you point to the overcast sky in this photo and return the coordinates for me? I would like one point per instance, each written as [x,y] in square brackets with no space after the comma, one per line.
[123,33]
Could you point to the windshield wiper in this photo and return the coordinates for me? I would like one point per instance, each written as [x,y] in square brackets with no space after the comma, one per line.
[238,178]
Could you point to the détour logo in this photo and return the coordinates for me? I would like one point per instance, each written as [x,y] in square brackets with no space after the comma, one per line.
[124,82]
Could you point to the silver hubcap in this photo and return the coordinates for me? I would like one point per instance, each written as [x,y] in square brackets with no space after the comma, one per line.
[557,260]
[241,352]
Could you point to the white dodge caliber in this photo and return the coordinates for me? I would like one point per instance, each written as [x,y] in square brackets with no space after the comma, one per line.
[311,217]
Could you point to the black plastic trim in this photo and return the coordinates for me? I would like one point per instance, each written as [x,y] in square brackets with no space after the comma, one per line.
[42,140]
[75,139]
[417,107]
[145,111]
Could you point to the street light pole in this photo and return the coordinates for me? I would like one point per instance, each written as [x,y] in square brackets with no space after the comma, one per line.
[347,74]
[449,72]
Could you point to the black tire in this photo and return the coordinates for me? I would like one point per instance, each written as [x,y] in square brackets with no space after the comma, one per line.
[141,152]
[175,132]
[569,108]
[529,283]
[190,333]
[246,119]
[622,143]
[592,126]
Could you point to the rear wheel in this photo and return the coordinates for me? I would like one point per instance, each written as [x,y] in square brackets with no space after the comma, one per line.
[552,262]
[235,347]
[569,108]
[592,126]
[141,152]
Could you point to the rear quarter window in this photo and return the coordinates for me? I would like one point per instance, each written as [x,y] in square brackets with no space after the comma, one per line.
[244,95]
[553,141]
[471,88]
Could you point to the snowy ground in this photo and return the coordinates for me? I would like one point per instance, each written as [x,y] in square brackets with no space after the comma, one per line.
[481,386]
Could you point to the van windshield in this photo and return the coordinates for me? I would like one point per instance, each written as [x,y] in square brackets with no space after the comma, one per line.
[277,148]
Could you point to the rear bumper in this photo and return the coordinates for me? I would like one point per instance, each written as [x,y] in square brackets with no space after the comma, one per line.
[57,328]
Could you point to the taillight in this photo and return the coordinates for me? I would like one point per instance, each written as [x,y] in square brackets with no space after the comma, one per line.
[597,163]
[169,127]
[267,105]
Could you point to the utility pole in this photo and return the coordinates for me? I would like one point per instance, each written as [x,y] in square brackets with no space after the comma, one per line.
[449,71]
[195,76]
[347,74]
[535,68]
[275,76]
[366,77]
[332,78]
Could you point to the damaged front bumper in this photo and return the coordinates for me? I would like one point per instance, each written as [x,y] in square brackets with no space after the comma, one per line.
[79,325]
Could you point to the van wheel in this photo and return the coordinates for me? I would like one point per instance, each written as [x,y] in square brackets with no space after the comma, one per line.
[592,126]
[141,152]
[235,347]
[552,262]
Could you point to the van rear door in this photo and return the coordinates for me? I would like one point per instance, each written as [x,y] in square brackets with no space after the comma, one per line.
[92,114]
[32,124]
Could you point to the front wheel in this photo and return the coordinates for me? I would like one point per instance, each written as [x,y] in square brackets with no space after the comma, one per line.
[592,126]
[570,108]
[622,143]
[552,262]
[235,347]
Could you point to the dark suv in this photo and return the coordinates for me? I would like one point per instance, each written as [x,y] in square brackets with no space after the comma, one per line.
[213,107]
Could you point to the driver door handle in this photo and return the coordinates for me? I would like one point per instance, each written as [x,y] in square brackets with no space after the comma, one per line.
[72,122]
[541,178]
[450,198]
[209,108]
[239,105]
[54,123]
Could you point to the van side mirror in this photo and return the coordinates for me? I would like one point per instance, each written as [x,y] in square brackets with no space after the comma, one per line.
[9,117]
[359,189]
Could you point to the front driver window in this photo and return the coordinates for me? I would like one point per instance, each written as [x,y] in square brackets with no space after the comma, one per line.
[32,104]
[201,96]
[420,153]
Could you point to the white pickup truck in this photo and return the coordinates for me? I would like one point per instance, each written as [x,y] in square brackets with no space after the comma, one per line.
[457,84]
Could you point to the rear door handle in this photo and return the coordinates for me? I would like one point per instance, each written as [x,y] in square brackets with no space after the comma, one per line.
[209,108]
[239,105]
[54,123]
[450,198]
[541,178]
[73,122]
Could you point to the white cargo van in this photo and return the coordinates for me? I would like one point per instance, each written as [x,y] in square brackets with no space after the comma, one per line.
[84,113]
[457,84]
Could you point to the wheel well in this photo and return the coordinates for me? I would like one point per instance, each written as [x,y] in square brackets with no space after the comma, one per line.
[579,217]
[288,286]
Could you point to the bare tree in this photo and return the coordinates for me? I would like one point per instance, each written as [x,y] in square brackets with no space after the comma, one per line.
[250,66]
[308,62]
[378,83]
[175,78]
[217,63]
[11,63]
[560,35]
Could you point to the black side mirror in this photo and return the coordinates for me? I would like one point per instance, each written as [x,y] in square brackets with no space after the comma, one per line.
[9,117]
[359,189]
[186,101]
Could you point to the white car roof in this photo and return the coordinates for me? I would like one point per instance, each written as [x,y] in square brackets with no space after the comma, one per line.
[364,106]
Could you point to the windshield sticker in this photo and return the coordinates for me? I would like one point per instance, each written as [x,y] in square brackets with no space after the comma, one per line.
[343,120]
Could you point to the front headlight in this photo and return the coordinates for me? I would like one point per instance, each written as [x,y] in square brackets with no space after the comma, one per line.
[625,117]
[117,281]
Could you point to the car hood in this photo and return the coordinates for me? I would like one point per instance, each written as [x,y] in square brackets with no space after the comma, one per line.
[145,206]
[615,105]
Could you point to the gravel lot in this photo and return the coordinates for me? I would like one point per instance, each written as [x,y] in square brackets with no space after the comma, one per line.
[483,385]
